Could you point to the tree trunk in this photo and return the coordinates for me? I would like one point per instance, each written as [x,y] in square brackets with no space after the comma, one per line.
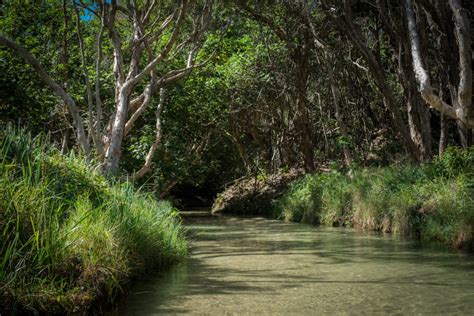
[443,137]
[151,152]
[56,88]
[113,153]
[378,74]
[420,130]
[465,135]
[418,113]
[461,108]
[336,96]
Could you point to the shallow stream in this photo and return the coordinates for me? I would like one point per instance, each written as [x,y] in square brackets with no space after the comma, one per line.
[259,266]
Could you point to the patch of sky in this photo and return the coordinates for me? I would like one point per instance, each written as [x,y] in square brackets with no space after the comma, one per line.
[89,7]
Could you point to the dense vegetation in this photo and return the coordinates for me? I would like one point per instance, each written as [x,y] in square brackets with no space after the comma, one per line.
[183,99]
[69,239]
[432,201]
[257,86]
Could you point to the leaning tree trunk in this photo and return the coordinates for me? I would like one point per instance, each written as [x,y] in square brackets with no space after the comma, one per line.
[56,88]
[154,146]
[461,108]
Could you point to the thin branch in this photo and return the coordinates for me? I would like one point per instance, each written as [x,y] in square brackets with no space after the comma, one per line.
[85,72]
[151,152]
[148,68]
[279,31]
[55,87]
[98,100]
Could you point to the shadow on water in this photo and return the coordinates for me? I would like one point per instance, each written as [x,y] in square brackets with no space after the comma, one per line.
[242,261]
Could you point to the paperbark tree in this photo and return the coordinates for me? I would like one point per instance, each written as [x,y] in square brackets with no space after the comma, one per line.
[418,115]
[153,38]
[461,108]
[345,24]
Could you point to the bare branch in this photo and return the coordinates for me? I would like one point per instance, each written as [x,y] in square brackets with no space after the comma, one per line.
[148,68]
[117,44]
[151,152]
[98,100]
[92,131]
[147,93]
[55,87]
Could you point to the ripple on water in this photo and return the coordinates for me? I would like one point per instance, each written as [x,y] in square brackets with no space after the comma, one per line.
[259,266]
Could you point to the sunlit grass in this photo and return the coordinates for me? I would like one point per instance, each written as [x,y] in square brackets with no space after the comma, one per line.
[68,237]
[432,201]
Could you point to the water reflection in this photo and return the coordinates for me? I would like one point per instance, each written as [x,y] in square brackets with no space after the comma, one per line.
[258,266]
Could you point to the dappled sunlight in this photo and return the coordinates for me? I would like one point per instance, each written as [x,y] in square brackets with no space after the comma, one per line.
[264,266]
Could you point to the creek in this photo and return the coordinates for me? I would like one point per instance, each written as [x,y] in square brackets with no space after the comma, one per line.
[261,266]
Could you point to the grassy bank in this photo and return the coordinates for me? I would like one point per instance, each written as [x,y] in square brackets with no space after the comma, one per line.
[69,238]
[433,201]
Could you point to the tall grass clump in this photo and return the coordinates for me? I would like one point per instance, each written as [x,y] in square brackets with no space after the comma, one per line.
[68,237]
[302,203]
[431,201]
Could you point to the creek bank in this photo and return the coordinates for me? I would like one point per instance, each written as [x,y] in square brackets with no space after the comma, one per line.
[254,195]
[71,240]
[431,201]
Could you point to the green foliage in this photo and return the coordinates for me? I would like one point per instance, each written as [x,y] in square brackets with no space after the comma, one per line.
[302,203]
[69,237]
[434,201]
[195,149]
[454,162]
[38,27]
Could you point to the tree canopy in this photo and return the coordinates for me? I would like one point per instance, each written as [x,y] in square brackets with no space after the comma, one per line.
[202,92]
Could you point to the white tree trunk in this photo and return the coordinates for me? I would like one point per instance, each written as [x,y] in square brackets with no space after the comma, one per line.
[113,153]
[151,152]
[461,109]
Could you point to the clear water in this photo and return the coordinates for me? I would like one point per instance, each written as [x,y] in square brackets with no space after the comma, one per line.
[258,266]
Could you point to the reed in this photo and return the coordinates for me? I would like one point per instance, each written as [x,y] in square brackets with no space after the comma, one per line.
[70,238]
